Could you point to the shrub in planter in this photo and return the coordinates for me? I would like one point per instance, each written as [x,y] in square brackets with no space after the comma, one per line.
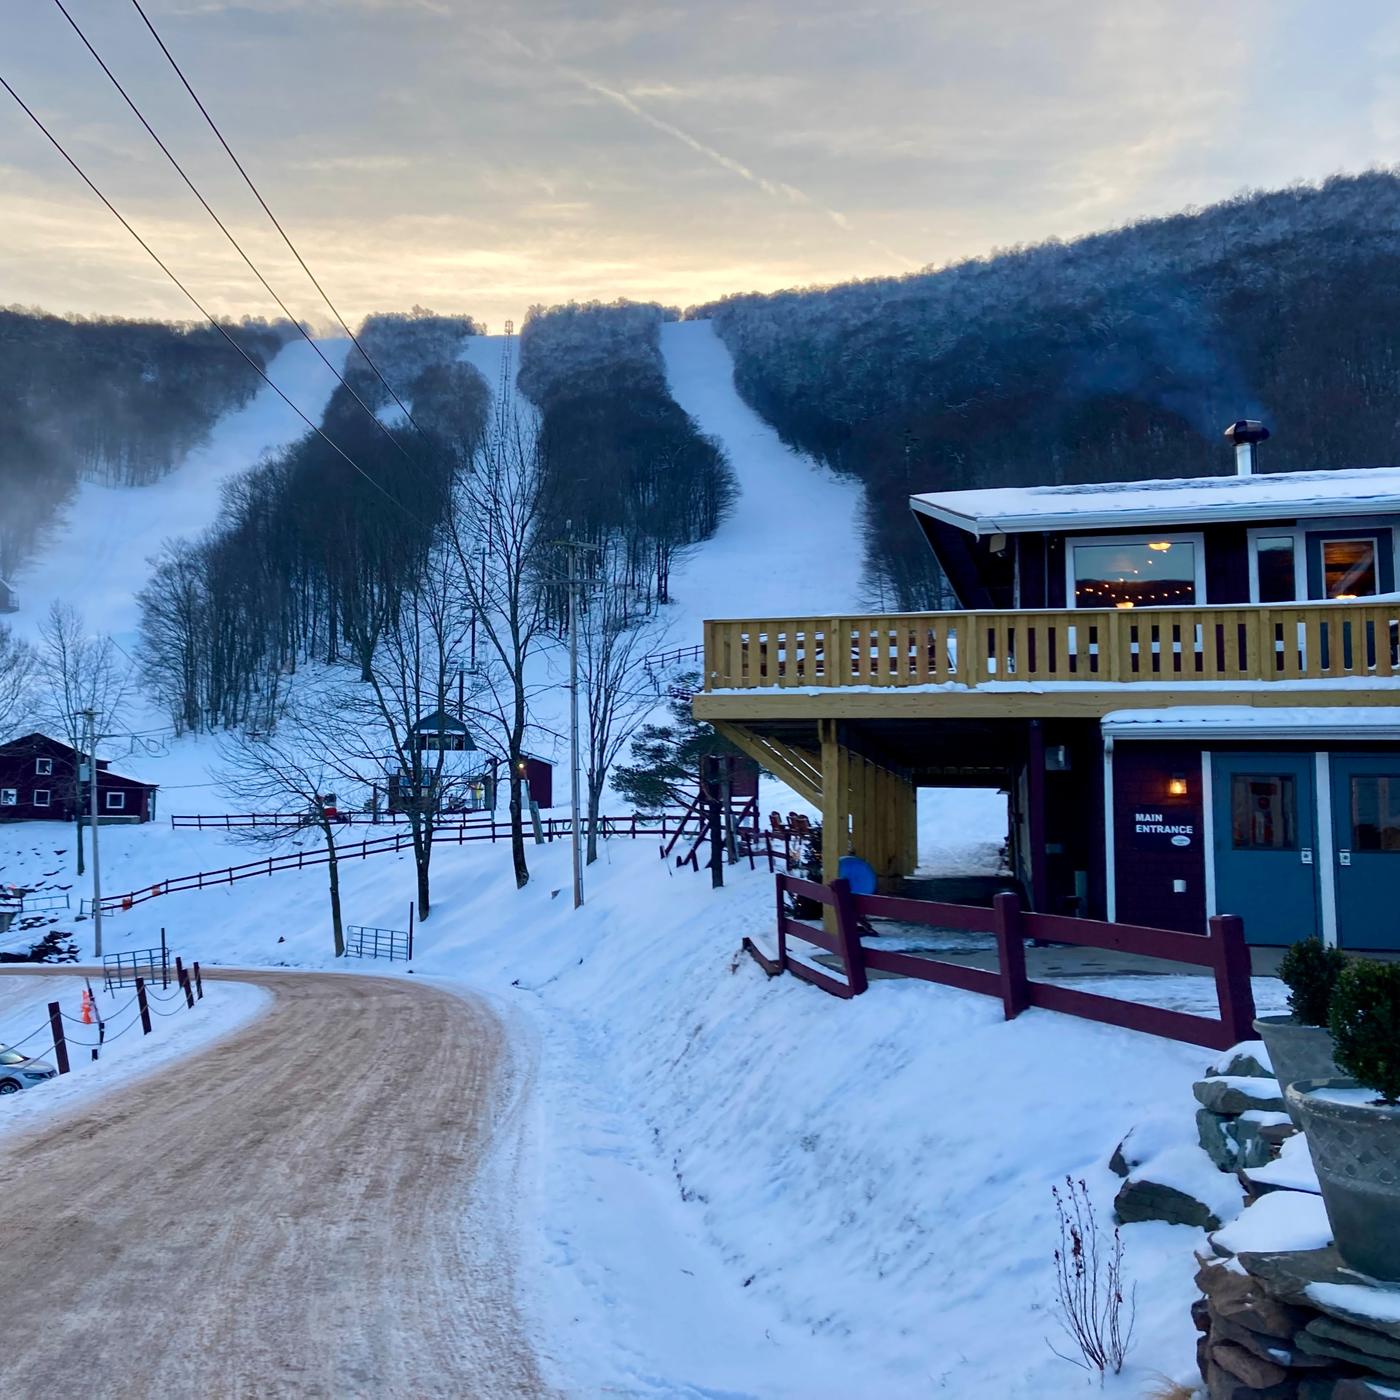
[1310,970]
[1300,1045]
[1365,1022]
[1353,1124]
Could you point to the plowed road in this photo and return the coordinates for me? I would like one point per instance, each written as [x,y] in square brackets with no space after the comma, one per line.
[298,1210]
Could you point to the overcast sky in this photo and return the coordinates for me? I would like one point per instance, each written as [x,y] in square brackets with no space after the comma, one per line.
[481,155]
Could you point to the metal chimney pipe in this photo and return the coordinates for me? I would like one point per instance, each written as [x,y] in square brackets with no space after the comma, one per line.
[1246,434]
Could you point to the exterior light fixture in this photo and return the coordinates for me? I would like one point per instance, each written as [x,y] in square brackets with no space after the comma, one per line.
[1126,603]
[1159,546]
[1176,785]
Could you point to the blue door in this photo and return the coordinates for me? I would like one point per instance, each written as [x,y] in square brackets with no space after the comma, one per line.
[1366,838]
[1264,809]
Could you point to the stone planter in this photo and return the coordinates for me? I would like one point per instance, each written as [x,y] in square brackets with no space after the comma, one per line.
[1355,1147]
[1297,1052]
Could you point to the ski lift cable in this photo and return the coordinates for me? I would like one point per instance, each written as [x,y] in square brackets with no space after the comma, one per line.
[286,238]
[199,306]
[224,229]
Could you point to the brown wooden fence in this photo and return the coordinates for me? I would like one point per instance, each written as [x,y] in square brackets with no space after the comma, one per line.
[1223,950]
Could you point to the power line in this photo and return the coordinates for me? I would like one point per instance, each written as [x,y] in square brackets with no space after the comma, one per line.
[195,302]
[223,228]
[257,194]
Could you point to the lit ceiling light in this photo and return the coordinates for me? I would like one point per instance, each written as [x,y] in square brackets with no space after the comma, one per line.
[1126,603]
[1160,546]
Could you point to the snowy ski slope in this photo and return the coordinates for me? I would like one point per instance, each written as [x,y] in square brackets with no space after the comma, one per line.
[97,556]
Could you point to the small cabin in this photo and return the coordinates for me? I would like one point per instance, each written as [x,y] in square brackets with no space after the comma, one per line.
[538,774]
[37,784]
[9,602]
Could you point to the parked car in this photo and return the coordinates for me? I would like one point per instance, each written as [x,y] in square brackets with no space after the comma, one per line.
[18,1071]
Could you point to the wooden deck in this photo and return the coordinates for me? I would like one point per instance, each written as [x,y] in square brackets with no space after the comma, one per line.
[1084,660]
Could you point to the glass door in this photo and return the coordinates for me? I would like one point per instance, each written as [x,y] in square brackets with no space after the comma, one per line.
[1366,838]
[1265,844]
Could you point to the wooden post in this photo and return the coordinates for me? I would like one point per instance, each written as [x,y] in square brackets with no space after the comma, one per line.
[779,886]
[164,963]
[186,988]
[1232,974]
[198,980]
[60,1042]
[848,935]
[144,1005]
[1011,955]
[410,931]
[1035,816]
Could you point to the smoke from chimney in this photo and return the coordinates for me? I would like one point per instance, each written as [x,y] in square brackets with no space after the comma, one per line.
[1246,434]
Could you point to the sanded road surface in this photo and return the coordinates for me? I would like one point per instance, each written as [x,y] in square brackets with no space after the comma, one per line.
[298,1210]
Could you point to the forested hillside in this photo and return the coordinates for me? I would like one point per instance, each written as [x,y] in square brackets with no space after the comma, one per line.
[310,556]
[110,400]
[1120,355]
[623,462]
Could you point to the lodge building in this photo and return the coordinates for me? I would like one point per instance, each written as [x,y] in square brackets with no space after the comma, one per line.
[1188,689]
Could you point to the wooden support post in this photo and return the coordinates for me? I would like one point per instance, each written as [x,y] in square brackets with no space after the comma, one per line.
[184,984]
[848,932]
[60,1041]
[1011,955]
[1035,817]
[1232,974]
[780,886]
[144,1006]
[198,980]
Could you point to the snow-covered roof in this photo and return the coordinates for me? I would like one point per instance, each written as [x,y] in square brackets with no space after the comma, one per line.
[1375,722]
[1009,509]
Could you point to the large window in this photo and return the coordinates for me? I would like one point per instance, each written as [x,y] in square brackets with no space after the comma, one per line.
[1375,812]
[116,801]
[41,797]
[1263,812]
[9,797]
[1349,568]
[43,767]
[1276,568]
[1143,573]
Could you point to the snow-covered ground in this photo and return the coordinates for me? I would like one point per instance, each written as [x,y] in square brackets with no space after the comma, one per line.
[125,1053]
[745,1187]
[97,555]
[741,1187]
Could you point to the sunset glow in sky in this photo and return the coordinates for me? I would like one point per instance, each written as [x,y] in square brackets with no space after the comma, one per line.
[478,155]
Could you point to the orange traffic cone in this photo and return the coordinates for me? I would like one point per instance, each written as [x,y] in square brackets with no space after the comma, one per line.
[87,1007]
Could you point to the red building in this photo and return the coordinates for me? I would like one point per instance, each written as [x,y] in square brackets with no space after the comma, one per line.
[37,784]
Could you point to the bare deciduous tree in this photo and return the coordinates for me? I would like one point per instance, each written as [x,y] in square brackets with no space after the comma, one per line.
[290,771]
[494,534]
[78,673]
[616,631]
[17,677]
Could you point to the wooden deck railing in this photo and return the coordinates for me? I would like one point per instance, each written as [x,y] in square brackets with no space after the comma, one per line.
[1282,642]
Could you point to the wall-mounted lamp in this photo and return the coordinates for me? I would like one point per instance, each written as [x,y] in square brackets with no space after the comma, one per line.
[1176,785]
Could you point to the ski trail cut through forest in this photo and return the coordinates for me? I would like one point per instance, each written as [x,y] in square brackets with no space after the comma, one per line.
[306,1208]
[97,555]
[791,544]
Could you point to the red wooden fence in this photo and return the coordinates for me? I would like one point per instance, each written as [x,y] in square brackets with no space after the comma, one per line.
[1223,950]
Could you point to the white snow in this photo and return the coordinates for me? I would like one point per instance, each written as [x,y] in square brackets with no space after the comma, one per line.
[127,1053]
[1262,722]
[1272,496]
[108,534]
[1382,1304]
[792,544]
[1278,1222]
[1292,1168]
[734,1186]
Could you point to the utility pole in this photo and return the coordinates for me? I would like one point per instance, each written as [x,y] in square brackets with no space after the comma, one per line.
[91,717]
[574,548]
